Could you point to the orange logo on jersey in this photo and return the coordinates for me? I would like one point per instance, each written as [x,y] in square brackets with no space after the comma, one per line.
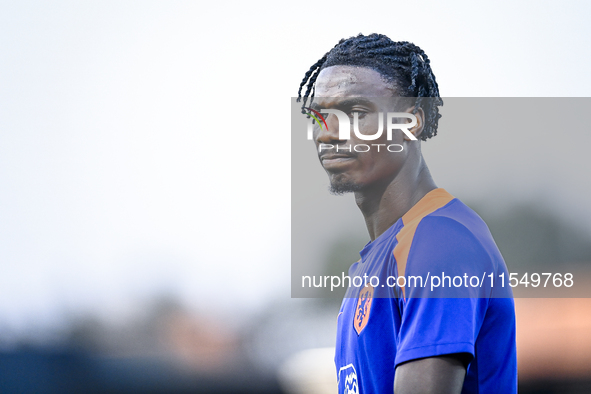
[363,308]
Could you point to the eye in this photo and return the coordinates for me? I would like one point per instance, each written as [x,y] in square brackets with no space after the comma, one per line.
[360,114]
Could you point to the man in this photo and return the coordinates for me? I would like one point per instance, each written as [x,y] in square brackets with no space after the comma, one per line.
[410,339]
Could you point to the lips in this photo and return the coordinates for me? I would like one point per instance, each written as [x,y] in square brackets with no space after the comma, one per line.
[335,160]
[334,156]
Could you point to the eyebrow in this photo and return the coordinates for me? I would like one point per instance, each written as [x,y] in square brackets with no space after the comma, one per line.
[347,103]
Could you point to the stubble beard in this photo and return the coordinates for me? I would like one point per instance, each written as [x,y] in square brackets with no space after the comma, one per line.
[338,187]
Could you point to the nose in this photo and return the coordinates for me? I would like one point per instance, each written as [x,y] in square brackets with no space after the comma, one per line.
[330,134]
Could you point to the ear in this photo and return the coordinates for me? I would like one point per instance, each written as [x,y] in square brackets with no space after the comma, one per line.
[417,130]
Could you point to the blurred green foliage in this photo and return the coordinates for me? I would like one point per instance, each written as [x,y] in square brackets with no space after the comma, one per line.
[529,237]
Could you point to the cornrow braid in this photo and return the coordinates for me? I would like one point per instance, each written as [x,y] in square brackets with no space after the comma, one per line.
[401,63]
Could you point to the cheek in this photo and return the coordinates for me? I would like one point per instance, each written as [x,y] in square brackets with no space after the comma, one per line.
[384,162]
[370,126]
[373,161]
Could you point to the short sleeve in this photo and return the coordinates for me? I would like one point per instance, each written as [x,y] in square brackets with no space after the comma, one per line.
[443,319]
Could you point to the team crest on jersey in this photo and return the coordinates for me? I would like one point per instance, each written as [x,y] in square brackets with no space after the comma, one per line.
[363,308]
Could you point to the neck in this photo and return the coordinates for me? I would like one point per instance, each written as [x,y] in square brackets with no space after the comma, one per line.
[383,204]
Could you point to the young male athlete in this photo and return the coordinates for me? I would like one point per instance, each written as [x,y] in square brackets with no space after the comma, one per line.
[452,338]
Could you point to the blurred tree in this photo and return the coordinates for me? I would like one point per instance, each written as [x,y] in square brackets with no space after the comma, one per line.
[343,252]
[531,237]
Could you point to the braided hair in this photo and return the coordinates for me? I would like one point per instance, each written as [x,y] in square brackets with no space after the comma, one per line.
[401,63]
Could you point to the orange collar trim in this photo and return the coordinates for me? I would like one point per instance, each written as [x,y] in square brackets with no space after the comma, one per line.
[432,201]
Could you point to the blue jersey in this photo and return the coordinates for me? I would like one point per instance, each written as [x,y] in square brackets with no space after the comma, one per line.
[398,314]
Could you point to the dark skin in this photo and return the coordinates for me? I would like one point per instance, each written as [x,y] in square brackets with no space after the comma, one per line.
[386,185]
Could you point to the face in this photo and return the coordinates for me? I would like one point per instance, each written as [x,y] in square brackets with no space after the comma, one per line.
[363,91]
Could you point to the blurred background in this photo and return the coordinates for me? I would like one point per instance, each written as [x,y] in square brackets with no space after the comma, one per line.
[145,214]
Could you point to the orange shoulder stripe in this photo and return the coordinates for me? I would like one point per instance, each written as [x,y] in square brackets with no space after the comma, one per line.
[431,202]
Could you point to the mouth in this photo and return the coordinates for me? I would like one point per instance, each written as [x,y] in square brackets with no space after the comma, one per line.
[335,161]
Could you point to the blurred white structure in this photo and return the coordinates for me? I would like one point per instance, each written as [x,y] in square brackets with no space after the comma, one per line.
[310,371]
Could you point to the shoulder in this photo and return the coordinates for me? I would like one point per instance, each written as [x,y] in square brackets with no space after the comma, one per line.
[447,244]
[443,233]
[453,236]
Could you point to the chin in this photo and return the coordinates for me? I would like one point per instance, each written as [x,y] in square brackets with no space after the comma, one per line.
[342,186]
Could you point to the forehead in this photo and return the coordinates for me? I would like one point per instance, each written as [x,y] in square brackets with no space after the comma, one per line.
[352,81]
